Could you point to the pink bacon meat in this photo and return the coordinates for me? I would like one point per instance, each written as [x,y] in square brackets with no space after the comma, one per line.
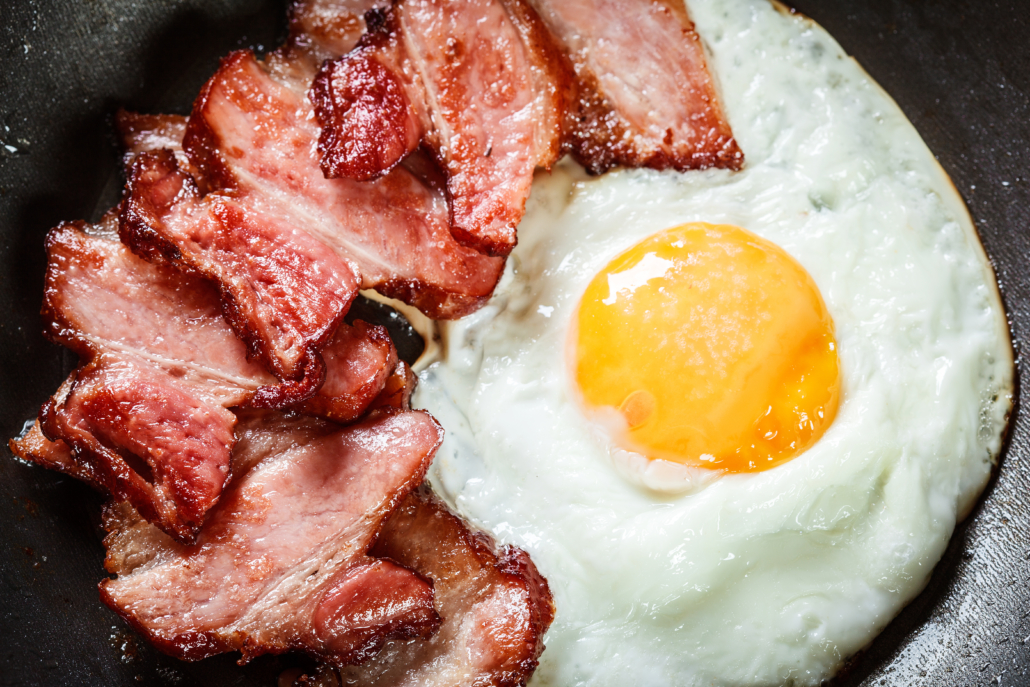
[287,247]
[283,292]
[253,136]
[645,97]
[282,563]
[479,82]
[148,411]
[495,605]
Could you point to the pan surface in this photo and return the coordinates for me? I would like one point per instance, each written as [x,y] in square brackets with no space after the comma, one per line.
[960,71]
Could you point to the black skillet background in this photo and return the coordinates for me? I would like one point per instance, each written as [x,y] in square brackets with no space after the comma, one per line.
[960,71]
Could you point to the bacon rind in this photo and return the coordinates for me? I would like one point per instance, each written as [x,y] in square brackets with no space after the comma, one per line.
[265,573]
[479,81]
[645,97]
[252,135]
[495,604]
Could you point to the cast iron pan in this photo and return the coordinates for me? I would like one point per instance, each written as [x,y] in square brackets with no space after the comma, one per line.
[961,72]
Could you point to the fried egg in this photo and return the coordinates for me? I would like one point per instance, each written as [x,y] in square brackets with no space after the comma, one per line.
[733,417]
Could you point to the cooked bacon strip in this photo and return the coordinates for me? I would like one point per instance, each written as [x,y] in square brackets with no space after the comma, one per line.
[147,413]
[371,105]
[397,391]
[360,361]
[645,96]
[149,439]
[99,297]
[141,133]
[329,28]
[281,563]
[33,446]
[495,605]
[479,81]
[255,138]
[284,293]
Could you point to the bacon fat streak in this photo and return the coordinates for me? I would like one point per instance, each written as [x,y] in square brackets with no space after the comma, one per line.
[147,413]
[479,82]
[282,563]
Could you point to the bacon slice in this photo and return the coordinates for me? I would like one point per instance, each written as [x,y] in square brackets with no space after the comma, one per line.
[397,391]
[140,133]
[256,140]
[371,104]
[480,82]
[329,28]
[360,362]
[147,413]
[32,446]
[495,605]
[645,96]
[150,439]
[283,292]
[281,564]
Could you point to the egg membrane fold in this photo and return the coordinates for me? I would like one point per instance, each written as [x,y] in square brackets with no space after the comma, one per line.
[665,575]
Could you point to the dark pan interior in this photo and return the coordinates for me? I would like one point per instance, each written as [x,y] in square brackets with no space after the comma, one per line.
[961,71]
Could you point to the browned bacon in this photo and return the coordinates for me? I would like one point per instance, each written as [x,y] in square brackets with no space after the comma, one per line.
[139,133]
[147,413]
[256,139]
[495,605]
[282,562]
[397,391]
[371,105]
[480,82]
[329,28]
[645,96]
[150,439]
[33,446]
[360,360]
[283,292]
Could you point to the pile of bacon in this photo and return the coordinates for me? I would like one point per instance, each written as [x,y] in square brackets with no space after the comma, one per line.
[264,466]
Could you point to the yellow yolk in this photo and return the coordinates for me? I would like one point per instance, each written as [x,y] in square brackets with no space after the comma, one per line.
[713,345]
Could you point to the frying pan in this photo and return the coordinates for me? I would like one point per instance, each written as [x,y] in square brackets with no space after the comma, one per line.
[960,71]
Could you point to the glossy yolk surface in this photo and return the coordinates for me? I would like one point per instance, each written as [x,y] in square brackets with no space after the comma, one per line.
[707,345]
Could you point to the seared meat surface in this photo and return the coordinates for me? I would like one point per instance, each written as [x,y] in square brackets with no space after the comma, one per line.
[644,95]
[254,137]
[494,604]
[284,293]
[282,562]
[328,28]
[479,82]
[147,413]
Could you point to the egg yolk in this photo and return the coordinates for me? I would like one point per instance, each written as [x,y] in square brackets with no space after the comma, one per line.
[712,345]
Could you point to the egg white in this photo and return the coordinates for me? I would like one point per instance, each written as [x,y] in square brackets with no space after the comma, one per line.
[778,576]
